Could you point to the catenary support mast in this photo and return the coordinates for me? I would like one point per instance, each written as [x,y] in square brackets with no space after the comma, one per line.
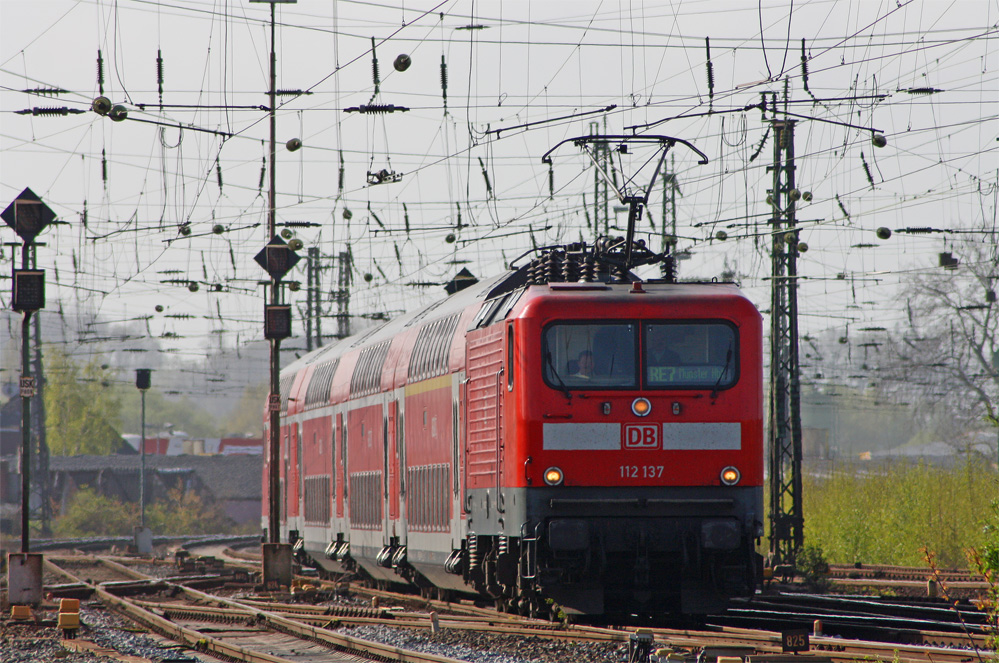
[786,519]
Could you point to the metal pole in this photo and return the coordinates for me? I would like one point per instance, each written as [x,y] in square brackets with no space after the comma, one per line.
[308,298]
[25,421]
[142,464]
[38,412]
[786,517]
[274,451]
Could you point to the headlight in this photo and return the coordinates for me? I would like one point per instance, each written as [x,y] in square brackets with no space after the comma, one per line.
[553,476]
[641,407]
[730,476]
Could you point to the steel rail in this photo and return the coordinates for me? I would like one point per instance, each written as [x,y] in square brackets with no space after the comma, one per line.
[188,637]
[322,636]
[894,572]
[288,618]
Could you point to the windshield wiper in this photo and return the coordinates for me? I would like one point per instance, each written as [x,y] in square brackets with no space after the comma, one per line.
[728,360]
[551,364]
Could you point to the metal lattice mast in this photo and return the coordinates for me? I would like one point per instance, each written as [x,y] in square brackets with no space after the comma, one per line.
[310,293]
[344,268]
[786,520]
[601,189]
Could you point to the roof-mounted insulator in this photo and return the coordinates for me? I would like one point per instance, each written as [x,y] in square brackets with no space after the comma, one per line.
[373,109]
[867,170]
[485,175]
[340,178]
[159,74]
[759,148]
[842,208]
[100,72]
[444,81]
[45,91]
[49,111]
[374,71]
[711,76]
[804,69]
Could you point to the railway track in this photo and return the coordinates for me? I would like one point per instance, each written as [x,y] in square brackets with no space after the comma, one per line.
[281,627]
[894,572]
[251,634]
[928,644]
[908,579]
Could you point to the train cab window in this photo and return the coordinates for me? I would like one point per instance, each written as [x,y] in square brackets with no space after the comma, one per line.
[590,355]
[690,355]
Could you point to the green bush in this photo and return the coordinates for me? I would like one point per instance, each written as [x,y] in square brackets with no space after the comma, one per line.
[91,514]
[814,569]
[887,514]
[185,513]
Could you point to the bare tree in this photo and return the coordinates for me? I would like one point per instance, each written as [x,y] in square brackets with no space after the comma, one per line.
[946,355]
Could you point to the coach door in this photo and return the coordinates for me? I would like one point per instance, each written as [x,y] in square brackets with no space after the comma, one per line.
[457,466]
[339,461]
[392,463]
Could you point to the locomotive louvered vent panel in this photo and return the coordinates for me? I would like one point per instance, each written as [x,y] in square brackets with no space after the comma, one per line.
[285,387]
[318,392]
[428,507]
[367,377]
[432,349]
[317,500]
[366,499]
[485,407]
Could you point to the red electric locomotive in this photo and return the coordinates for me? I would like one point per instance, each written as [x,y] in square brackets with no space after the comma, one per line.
[560,436]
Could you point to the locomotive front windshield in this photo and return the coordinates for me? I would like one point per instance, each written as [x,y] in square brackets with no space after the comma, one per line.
[674,355]
[587,355]
[698,355]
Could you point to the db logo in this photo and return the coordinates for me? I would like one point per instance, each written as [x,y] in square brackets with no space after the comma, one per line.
[641,436]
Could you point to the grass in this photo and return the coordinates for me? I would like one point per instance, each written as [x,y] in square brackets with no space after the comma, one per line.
[887,514]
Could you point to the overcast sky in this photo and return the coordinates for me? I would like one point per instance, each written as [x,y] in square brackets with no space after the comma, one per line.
[923,73]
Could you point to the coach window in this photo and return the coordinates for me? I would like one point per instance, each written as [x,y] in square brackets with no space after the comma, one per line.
[590,355]
[690,355]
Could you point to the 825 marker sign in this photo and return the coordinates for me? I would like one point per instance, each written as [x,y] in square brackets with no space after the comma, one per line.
[794,641]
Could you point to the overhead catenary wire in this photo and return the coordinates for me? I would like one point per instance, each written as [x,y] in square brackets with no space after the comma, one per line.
[506,202]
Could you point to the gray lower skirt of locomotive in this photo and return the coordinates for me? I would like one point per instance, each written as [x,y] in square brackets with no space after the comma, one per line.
[683,549]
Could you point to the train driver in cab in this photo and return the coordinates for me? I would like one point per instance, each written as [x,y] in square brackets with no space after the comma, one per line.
[661,343]
[584,366]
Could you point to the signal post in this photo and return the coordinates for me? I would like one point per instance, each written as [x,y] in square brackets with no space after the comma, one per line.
[28,216]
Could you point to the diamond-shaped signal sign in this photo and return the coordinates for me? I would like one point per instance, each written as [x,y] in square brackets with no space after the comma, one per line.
[28,215]
[277,258]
